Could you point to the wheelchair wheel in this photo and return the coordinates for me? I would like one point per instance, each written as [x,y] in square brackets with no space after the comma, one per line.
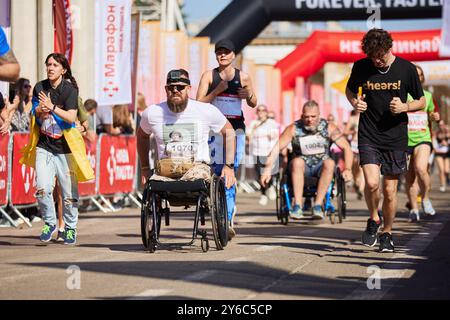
[340,198]
[278,198]
[219,214]
[148,223]
[282,213]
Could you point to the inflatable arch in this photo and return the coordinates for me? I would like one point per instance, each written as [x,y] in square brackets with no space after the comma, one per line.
[242,20]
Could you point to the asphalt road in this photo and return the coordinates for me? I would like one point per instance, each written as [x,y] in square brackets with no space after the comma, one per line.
[303,260]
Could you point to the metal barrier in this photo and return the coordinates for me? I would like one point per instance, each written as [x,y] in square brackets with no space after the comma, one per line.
[114,160]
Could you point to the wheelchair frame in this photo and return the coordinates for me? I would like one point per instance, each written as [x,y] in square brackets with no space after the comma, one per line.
[208,198]
[285,194]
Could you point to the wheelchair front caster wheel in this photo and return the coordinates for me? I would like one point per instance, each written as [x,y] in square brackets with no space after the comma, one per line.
[151,246]
[205,245]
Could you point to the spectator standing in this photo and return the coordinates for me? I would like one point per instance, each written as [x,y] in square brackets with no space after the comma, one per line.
[262,136]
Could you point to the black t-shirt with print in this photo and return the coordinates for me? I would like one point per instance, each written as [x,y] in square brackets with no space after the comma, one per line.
[378,127]
[65,96]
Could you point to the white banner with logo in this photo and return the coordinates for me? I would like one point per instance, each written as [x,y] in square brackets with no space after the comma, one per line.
[112,52]
[445,35]
[436,72]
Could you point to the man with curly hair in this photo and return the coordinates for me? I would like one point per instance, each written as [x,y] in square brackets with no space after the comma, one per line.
[378,88]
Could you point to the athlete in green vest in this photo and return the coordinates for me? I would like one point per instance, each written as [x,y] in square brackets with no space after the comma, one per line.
[419,150]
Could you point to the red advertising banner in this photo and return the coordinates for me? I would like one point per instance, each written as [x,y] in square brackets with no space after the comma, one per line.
[117,164]
[23,182]
[63,33]
[88,188]
[327,46]
[4,140]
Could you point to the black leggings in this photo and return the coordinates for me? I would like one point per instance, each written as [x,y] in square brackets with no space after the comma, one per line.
[259,167]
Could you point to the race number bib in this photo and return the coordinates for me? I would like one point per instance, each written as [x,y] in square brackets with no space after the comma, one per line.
[417,121]
[312,145]
[229,105]
[180,141]
[50,128]
[180,150]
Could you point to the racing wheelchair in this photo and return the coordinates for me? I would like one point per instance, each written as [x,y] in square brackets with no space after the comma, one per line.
[208,197]
[285,195]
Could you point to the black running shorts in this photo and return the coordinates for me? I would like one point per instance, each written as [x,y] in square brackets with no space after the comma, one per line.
[392,162]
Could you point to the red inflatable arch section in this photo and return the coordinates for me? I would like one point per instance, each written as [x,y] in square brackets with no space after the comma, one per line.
[324,46]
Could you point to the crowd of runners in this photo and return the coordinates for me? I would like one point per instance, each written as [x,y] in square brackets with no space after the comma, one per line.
[393,133]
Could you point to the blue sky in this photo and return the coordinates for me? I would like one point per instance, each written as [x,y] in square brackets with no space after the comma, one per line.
[207,9]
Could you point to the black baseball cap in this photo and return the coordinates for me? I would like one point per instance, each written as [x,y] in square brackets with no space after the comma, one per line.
[226,43]
[178,75]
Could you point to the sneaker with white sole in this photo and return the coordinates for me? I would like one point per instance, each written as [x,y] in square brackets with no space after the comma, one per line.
[47,232]
[386,243]
[60,237]
[428,207]
[370,237]
[442,189]
[272,193]
[296,212]
[263,201]
[317,212]
[414,215]
[70,236]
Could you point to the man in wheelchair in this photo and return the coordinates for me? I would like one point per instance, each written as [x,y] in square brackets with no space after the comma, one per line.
[311,138]
[181,128]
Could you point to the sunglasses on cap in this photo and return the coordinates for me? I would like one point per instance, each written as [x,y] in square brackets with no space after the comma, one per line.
[178,87]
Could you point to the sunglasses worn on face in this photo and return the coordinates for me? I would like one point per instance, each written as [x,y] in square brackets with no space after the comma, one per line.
[179,87]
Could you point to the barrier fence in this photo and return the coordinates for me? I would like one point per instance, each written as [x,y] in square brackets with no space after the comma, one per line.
[113,159]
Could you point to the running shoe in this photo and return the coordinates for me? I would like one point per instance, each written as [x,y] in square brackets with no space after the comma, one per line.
[70,236]
[428,207]
[296,212]
[60,236]
[263,200]
[369,237]
[47,232]
[414,215]
[231,233]
[442,189]
[386,243]
[317,212]
[272,193]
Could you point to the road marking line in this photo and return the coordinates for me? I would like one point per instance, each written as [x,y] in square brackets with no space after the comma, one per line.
[248,220]
[150,294]
[266,248]
[284,276]
[415,247]
[239,259]
[199,275]
[309,232]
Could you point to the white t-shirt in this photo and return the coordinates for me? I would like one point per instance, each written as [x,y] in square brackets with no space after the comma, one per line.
[264,137]
[183,135]
[104,116]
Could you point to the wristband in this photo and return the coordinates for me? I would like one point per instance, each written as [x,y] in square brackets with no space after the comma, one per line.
[230,165]
[54,107]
